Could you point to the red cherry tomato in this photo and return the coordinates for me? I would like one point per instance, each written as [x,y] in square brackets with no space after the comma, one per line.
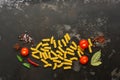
[24,51]
[83,59]
[83,44]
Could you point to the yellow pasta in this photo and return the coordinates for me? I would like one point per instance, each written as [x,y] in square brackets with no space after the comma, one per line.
[68,49]
[67,63]
[49,55]
[59,52]
[60,65]
[67,67]
[90,42]
[52,39]
[90,49]
[44,50]
[47,48]
[60,57]
[55,66]
[38,45]
[74,44]
[54,44]
[46,40]
[59,43]
[67,41]
[79,54]
[40,55]
[33,49]
[61,49]
[73,47]
[80,50]
[35,56]
[53,58]
[65,55]
[73,58]
[64,43]
[53,53]
[44,56]
[45,44]
[57,61]
[68,36]
[70,53]
[67,60]
[47,65]
[44,61]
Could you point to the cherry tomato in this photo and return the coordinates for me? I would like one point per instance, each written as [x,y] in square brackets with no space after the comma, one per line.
[83,59]
[24,51]
[83,44]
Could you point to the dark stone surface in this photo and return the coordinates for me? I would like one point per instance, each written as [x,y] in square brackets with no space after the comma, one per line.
[44,18]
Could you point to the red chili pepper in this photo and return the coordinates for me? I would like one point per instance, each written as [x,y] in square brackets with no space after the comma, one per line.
[33,63]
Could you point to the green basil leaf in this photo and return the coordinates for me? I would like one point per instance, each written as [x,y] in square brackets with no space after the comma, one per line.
[27,65]
[19,58]
[95,60]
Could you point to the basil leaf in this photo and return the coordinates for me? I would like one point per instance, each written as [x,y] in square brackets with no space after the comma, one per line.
[27,65]
[19,58]
[95,60]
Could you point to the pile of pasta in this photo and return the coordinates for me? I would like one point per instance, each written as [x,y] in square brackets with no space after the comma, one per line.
[57,53]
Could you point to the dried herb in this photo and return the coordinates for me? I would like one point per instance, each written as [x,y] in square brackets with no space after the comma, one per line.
[95,60]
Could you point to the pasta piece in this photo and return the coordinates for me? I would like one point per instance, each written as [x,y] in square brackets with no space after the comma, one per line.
[44,50]
[53,58]
[49,55]
[66,39]
[59,52]
[67,67]
[53,53]
[47,48]
[74,58]
[60,65]
[90,42]
[68,36]
[90,49]
[55,66]
[54,44]
[67,63]
[60,57]
[45,44]
[44,56]
[41,55]
[38,45]
[59,43]
[52,40]
[65,55]
[33,49]
[73,47]
[57,61]
[68,49]
[35,56]
[74,44]
[61,49]
[67,60]
[80,50]
[64,43]
[44,61]
[46,40]
[79,54]
[48,65]
[70,53]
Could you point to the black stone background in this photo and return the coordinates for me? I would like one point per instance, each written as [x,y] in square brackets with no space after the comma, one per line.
[83,17]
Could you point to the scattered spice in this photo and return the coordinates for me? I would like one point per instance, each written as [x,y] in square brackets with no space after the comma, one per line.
[17,46]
